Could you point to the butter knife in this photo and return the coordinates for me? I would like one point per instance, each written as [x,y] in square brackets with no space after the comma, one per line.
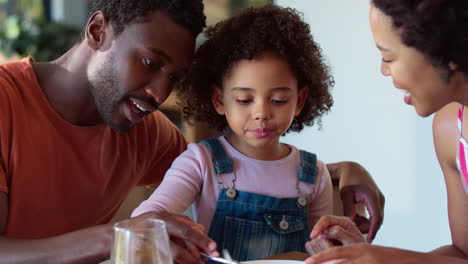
[219,259]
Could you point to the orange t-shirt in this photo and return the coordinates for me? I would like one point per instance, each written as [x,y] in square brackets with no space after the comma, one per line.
[60,177]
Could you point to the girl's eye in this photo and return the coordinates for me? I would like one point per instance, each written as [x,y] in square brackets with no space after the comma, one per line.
[240,101]
[279,102]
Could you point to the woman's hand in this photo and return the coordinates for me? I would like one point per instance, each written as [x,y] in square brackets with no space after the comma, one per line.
[331,231]
[369,254]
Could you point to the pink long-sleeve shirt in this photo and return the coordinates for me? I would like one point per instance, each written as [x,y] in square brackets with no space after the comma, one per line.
[192,180]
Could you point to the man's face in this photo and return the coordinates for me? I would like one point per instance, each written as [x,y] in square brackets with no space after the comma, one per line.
[135,72]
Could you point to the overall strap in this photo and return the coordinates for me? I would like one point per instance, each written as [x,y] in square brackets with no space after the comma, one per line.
[308,169]
[222,163]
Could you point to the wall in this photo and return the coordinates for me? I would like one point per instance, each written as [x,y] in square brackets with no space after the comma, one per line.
[370,124]
[70,12]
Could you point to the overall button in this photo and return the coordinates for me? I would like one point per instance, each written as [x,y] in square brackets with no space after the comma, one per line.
[284,225]
[231,193]
[301,201]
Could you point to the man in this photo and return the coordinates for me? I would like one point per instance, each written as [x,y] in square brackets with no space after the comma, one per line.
[77,133]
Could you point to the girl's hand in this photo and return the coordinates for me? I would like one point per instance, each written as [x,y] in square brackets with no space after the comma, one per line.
[338,228]
[331,231]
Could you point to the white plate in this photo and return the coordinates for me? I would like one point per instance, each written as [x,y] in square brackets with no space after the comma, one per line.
[273,262]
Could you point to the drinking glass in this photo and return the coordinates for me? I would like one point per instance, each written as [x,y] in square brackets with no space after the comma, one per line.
[141,241]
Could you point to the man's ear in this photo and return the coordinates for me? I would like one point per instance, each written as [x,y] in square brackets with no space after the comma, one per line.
[217,99]
[301,99]
[95,33]
[453,66]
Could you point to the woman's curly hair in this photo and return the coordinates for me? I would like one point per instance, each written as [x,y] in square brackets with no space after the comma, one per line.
[436,28]
[248,35]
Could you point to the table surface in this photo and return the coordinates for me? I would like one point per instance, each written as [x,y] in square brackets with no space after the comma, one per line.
[293,255]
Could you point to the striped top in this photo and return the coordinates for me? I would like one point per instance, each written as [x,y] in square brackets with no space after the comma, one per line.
[462,160]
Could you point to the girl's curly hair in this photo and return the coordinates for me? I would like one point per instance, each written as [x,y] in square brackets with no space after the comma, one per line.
[436,28]
[245,36]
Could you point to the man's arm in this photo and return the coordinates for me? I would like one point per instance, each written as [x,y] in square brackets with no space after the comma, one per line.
[93,245]
[90,245]
[3,211]
[357,186]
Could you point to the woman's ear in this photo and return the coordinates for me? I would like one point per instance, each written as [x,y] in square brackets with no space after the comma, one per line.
[95,30]
[217,99]
[301,99]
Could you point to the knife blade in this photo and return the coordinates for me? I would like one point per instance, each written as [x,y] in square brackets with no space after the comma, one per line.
[219,259]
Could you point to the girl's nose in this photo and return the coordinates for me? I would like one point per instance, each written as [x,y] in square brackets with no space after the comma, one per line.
[262,112]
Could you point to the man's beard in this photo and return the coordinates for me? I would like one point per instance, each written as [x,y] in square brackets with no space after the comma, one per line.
[107,95]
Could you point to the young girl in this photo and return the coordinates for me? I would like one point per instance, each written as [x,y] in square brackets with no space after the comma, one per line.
[258,76]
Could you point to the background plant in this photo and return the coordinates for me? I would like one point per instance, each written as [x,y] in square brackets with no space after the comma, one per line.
[43,40]
[25,29]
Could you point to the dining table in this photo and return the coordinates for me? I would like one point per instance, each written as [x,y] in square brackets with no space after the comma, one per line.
[293,255]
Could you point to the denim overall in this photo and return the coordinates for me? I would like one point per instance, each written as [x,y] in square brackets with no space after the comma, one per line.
[254,226]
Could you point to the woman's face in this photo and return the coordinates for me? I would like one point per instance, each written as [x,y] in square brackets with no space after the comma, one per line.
[421,82]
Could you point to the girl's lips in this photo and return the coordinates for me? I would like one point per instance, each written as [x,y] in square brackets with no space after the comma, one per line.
[260,133]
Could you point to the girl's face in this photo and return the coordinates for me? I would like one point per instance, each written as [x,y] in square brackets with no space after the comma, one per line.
[410,71]
[260,99]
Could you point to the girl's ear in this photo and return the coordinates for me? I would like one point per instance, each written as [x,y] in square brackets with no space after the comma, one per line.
[96,30]
[301,99]
[217,99]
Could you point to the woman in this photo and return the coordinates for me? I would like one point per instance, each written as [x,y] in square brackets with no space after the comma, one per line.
[423,48]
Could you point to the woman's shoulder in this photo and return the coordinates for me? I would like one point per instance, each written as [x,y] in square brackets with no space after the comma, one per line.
[445,121]
[448,113]
[445,129]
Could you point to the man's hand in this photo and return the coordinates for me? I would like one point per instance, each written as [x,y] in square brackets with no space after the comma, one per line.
[356,187]
[331,231]
[187,237]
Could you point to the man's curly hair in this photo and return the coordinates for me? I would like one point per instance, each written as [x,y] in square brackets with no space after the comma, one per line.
[121,13]
[436,28]
[248,35]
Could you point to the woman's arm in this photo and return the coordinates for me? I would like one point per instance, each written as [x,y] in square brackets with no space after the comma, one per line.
[445,132]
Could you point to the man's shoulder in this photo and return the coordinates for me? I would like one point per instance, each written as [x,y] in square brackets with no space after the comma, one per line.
[14,75]
[11,69]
